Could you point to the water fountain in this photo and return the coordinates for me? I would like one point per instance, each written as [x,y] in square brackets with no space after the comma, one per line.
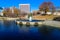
[30,21]
[30,18]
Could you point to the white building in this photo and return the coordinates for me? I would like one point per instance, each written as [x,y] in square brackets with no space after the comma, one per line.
[42,12]
[24,8]
[12,9]
[1,14]
[49,13]
[56,13]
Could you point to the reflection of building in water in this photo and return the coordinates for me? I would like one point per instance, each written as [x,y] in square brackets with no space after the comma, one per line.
[25,8]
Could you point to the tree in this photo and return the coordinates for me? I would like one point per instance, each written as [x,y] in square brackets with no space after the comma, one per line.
[47,6]
[8,12]
[5,12]
[16,12]
[30,15]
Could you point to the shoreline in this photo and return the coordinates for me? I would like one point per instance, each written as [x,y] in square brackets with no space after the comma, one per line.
[46,22]
[35,17]
[8,18]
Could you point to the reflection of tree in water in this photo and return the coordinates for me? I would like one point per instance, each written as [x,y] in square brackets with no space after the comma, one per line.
[23,29]
[7,23]
[45,30]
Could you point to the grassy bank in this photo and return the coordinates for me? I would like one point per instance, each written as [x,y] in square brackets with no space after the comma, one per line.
[46,17]
[8,18]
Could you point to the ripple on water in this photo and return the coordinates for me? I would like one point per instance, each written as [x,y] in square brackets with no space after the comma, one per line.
[9,28]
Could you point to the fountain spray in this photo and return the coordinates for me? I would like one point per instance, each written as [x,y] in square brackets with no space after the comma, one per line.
[30,17]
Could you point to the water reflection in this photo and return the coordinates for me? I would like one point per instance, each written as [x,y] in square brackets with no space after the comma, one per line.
[44,30]
[7,25]
[9,28]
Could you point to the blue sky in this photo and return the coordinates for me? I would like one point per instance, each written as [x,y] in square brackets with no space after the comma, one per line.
[34,3]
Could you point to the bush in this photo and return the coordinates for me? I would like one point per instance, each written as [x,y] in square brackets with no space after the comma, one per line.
[56,19]
[20,23]
[27,24]
[36,24]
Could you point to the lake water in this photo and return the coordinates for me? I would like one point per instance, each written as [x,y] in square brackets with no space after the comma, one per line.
[11,31]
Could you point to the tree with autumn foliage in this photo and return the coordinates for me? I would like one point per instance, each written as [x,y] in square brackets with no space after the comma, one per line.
[46,7]
[16,12]
[8,12]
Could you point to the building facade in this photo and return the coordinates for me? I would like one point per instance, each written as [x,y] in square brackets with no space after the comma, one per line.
[24,8]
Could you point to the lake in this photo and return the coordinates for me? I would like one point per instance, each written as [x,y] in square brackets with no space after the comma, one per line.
[9,30]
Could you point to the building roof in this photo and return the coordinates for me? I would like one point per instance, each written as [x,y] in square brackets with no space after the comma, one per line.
[24,4]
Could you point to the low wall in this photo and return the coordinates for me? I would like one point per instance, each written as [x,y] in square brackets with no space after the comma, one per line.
[31,23]
[49,23]
[52,23]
